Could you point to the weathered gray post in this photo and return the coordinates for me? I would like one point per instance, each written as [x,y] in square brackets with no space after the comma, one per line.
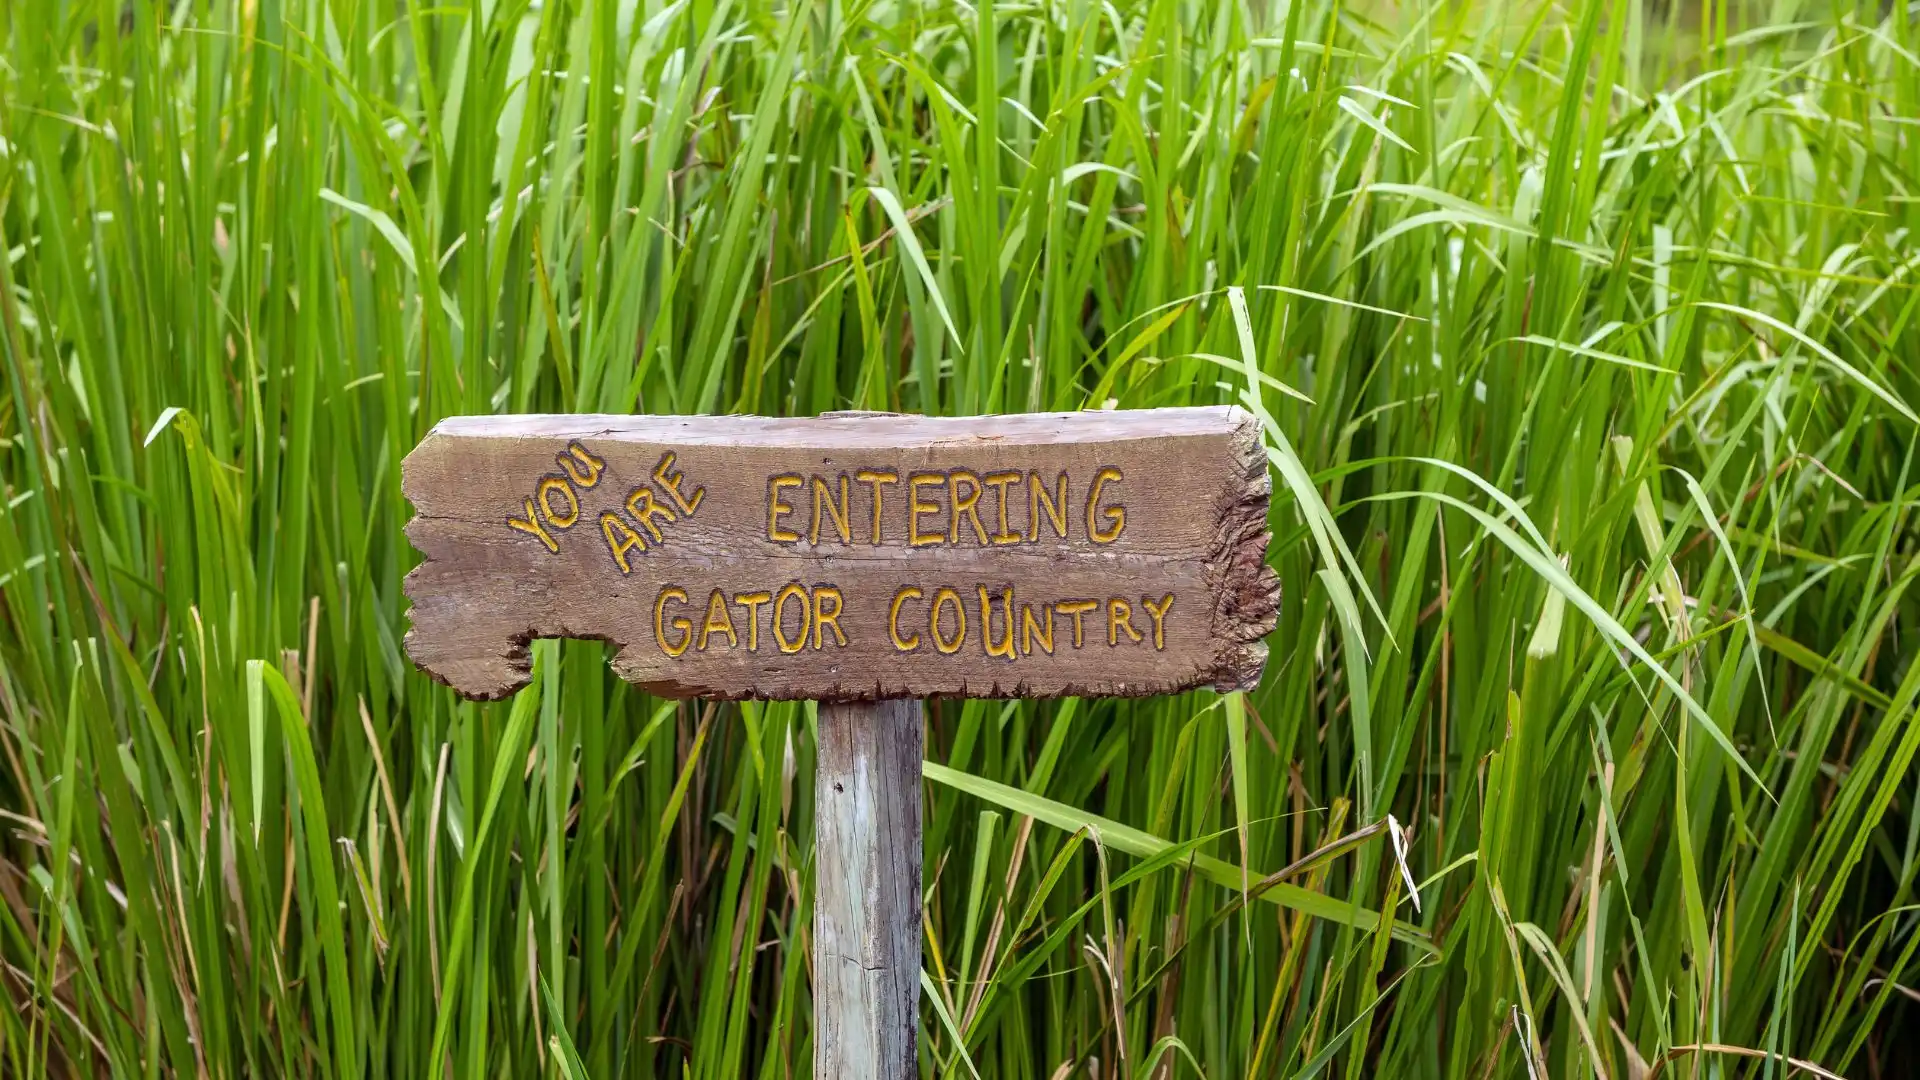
[866,882]
[864,561]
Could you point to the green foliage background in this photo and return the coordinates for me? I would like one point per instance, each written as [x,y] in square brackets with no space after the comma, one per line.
[1583,334]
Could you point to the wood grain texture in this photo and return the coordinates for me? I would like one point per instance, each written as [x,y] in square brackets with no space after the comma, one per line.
[866,915]
[848,557]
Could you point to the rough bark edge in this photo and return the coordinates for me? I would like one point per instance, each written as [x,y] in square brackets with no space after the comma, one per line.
[434,641]
[1245,590]
[501,674]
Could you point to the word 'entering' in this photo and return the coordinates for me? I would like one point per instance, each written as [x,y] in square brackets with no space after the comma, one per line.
[872,506]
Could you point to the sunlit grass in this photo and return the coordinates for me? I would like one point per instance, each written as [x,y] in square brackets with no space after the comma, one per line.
[1585,342]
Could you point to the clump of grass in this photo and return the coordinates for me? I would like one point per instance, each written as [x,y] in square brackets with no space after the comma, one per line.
[1583,336]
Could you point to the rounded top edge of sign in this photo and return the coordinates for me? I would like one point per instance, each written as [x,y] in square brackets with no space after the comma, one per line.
[1170,421]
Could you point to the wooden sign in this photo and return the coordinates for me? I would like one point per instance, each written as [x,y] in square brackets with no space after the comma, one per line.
[852,556]
[850,559]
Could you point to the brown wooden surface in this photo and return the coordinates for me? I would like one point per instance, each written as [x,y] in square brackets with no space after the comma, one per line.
[866,913]
[745,556]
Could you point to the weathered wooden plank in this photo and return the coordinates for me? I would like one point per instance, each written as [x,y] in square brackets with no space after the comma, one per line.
[866,914]
[847,557]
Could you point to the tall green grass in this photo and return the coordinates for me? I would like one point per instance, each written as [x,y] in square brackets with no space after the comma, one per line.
[1585,341]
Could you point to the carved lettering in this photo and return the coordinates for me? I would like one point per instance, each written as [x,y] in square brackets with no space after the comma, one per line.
[644,508]
[670,483]
[1010,629]
[752,601]
[825,618]
[965,504]
[1032,630]
[1120,617]
[680,623]
[577,457]
[620,539]
[998,481]
[944,597]
[549,485]
[917,507]
[1115,515]
[823,495]
[877,480]
[799,640]
[1158,612]
[1077,608]
[556,506]
[718,621]
[1004,647]
[1056,507]
[932,521]
[777,509]
[531,525]
[911,641]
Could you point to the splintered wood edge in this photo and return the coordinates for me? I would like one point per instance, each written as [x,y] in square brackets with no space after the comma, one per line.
[1245,588]
[504,674]
[1246,591]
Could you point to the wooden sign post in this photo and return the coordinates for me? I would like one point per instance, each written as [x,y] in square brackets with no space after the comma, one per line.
[864,561]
